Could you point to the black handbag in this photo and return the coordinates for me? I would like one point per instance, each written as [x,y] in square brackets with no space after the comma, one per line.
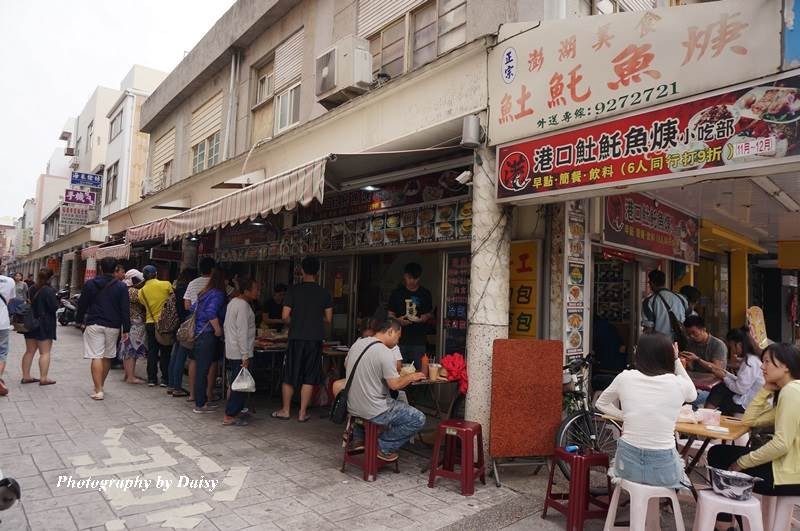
[339,406]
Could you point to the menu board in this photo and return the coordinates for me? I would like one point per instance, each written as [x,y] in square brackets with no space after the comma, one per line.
[454,325]
[524,265]
[575,273]
[423,189]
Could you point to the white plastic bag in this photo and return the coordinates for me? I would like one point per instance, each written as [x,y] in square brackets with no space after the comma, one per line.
[244,382]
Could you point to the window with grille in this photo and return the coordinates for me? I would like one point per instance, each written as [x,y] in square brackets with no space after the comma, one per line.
[265,88]
[287,108]
[205,153]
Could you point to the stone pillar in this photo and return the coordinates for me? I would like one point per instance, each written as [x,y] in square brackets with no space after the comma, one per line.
[489,288]
[189,256]
[67,260]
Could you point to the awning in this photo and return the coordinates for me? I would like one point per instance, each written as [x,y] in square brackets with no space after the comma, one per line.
[300,185]
[152,230]
[121,251]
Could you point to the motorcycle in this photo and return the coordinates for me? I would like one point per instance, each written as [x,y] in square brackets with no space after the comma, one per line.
[69,309]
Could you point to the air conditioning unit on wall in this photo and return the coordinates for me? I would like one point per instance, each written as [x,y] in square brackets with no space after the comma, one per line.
[343,72]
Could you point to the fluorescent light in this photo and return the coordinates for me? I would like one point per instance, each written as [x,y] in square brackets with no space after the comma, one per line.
[777,193]
[370,188]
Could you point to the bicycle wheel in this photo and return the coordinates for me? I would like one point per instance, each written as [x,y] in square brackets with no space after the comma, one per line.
[576,430]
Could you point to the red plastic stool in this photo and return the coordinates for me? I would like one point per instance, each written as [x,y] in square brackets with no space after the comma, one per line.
[466,432]
[578,499]
[367,457]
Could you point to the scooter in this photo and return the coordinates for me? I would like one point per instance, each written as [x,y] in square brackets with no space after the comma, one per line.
[69,309]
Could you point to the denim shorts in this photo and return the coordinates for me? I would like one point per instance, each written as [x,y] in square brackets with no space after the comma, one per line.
[659,468]
[4,334]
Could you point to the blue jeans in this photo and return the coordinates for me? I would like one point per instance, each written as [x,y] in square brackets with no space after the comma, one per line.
[702,396]
[4,334]
[177,362]
[401,421]
[413,354]
[236,401]
[659,468]
[205,354]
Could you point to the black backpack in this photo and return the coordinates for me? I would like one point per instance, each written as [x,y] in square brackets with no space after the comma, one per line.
[23,318]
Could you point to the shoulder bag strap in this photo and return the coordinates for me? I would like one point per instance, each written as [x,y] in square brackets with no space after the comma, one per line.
[350,378]
[663,301]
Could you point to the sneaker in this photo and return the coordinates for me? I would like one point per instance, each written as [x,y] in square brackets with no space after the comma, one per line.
[204,409]
[162,384]
[151,384]
[389,458]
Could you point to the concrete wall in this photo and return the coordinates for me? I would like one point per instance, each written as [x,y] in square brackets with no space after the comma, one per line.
[59,164]
[94,112]
[142,78]
[49,193]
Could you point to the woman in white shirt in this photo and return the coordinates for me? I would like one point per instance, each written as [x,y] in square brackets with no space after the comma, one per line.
[648,399]
[240,337]
[736,391]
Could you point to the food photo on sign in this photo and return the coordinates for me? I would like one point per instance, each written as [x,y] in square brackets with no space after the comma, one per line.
[748,125]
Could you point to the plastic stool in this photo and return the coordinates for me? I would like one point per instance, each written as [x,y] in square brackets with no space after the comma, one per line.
[578,498]
[366,458]
[709,505]
[778,511]
[644,506]
[465,431]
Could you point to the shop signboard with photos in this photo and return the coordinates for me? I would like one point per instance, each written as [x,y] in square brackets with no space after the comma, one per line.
[455,319]
[642,224]
[577,280]
[524,268]
[752,126]
[563,73]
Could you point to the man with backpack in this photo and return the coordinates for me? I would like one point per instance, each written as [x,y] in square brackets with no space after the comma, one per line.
[657,307]
[7,292]
[104,311]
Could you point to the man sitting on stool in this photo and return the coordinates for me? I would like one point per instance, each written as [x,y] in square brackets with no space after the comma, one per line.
[369,398]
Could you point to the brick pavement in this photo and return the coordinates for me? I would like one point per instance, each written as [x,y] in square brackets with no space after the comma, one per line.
[273,474]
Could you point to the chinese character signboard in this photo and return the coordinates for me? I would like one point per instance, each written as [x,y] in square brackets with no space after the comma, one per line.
[646,225]
[456,303]
[749,125]
[522,321]
[92,180]
[576,273]
[71,215]
[573,71]
[79,197]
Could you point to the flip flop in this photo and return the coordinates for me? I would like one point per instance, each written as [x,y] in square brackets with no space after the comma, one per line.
[304,419]
[32,380]
[47,382]
[275,415]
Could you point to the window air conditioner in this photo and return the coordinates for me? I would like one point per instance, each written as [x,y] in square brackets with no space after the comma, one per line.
[343,72]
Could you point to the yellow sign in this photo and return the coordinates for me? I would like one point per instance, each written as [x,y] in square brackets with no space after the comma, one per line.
[524,265]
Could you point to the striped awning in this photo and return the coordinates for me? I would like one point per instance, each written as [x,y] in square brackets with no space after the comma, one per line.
[152,230]
[121,251]
[283,191]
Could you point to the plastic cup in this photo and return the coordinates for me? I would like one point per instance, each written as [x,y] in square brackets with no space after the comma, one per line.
[433,371]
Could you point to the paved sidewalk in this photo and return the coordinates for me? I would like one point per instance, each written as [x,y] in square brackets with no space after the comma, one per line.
[273,474]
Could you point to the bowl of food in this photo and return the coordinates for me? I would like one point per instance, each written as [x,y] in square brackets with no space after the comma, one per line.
[733,485]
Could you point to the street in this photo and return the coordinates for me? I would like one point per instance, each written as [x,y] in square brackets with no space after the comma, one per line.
[271,474]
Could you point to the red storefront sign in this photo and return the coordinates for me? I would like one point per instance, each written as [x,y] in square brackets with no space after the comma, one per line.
[643,224]
[754,124]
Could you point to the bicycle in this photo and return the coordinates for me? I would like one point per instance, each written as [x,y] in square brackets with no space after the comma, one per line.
[583,426]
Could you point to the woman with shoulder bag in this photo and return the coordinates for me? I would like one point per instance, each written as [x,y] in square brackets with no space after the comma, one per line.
[135,347]
[43,305]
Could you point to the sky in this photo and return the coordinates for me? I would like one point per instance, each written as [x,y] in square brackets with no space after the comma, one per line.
[53,53]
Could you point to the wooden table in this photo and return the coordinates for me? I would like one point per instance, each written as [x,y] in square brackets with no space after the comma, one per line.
[736,428]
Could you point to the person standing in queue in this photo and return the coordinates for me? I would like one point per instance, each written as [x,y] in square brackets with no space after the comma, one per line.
[412,305]
[240,337]
[206,266]
[308,307]
[153,294]
[209,321]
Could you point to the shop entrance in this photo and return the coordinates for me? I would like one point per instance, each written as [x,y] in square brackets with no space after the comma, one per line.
[712,281]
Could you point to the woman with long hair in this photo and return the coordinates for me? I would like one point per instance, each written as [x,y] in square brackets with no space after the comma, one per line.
[648,399]
[209,318]
[777,463]
[135,347]
[735,392]
[43,305]
[177,360]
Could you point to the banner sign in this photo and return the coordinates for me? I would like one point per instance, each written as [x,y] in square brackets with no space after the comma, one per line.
[71,215]
[423,189]
[754,124]
[646,225]
[574,71]
[577,280]
[92,180]
[524,264]
[79,197]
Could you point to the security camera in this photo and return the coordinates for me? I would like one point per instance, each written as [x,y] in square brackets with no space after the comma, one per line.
[465,177]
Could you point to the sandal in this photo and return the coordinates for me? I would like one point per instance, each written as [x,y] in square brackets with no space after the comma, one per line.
[179,394]
[235,422]
[304,419]
[47,382]
[31,380]
[275,415]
